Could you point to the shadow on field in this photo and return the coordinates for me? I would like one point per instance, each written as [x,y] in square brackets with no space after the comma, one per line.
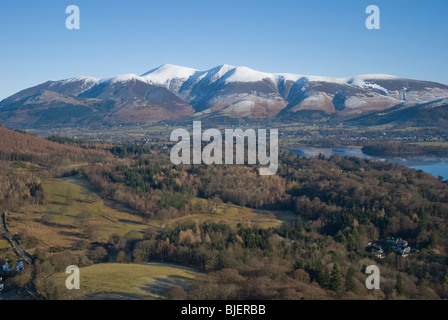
[130,222]
[116,296]
[157,285]
[58,225]
[71,234]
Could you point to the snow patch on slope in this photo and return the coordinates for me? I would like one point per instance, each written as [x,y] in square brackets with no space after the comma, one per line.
[121,78]
[364,81]
[167,72]
[81,78]
[244,74]
[364,77]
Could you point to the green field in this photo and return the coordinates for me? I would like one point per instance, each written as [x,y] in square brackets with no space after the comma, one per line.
[126,281]
[71,203]
[232,215]
[4,244]
[109,216]
[432,143]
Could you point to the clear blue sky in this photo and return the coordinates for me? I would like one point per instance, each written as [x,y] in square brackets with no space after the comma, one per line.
[318,37]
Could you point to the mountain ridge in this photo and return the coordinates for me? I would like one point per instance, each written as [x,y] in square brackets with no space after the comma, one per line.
[171,92]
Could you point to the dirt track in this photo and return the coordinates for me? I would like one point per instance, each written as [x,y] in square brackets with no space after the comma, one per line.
[19,250]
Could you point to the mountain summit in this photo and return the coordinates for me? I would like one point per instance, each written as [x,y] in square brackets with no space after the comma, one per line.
[222,93]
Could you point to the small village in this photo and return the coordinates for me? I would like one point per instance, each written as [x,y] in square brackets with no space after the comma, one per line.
[378,248]
[6,268]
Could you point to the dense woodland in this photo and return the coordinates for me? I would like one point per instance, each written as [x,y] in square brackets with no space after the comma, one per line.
[397,149]
[341,204]
[26,159]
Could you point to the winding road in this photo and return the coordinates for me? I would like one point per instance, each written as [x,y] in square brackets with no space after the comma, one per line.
[20,252]
[18,249]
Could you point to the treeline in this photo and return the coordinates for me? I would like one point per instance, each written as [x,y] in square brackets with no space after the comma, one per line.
[242,185]
[18,188]
[159,194]
[66,140]
[401,149]
[123,151]
[17,146]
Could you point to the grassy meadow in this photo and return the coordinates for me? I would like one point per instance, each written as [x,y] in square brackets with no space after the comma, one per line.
[74,211]
[126,281]
[71,207]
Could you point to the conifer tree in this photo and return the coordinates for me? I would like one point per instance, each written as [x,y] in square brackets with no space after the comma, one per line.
[350,281]
[399,285]
[335,279]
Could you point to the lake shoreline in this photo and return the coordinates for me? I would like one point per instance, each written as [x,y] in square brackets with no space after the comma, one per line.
[437,166]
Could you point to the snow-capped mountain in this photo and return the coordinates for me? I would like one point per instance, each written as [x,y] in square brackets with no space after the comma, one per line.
[240,91]
[172,92]
[431,113]
[399,88]
[73,87]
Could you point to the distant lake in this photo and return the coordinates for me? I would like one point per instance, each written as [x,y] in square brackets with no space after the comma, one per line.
[436,169]
[437,166]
